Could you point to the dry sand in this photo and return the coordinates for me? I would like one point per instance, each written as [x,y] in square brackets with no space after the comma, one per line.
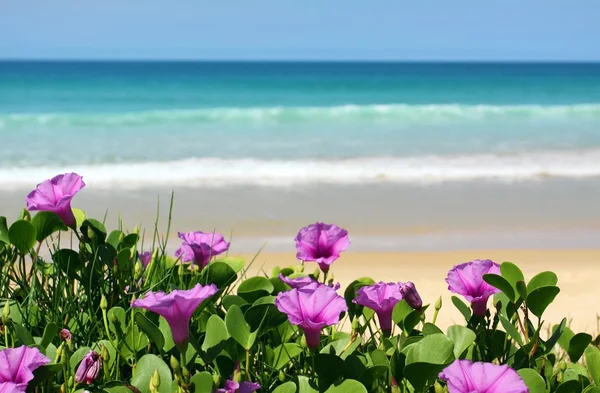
[577,270]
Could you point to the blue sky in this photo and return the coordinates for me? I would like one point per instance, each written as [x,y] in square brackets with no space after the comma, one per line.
[308,29]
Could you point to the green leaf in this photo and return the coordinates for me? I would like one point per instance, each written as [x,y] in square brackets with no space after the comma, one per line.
[117,316]
[430,328]
[22,235]
[533,380]
[426,358]
[540,298]
[78,356]
[571,386]
[462,307]
[288,387]
[592,361]
[254,288]
[203,382]
[350,294]
[522,289]
[591,389]
[23,334]
[216,336]
[543,279]
[230,300]
[557,331]
[238,328]
[220,274]
[145,367]
[347,386]
[151,330]
[50,332]
[284,353]
[43,374]
[114,238]
[329,368]
[462,338]
[46,223]
[511,273]
[91,225]
[577,346]
[305,385]
[501,283]
[79,216]
[565,338]
[236,263]
[4,231]
[68,261]
[511,330]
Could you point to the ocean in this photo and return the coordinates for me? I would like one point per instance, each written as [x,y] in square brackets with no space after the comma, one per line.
[289,124]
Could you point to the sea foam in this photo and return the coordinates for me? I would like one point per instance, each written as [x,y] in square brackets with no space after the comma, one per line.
[403,113]
[215,172]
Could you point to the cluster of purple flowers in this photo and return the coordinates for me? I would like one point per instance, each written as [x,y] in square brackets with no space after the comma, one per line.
[309,304]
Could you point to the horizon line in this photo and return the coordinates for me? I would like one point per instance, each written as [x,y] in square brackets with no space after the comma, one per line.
[276,60]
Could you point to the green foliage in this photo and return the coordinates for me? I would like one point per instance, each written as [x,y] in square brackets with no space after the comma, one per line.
[88,285]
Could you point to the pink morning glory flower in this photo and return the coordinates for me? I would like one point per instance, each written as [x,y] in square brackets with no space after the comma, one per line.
[89,368]
[321,243]
[381,298]
[55,196]
[199,247]
[464,376]
[177,308]
[17,366]
[145,258]
[467,279]
[239,387]
[312,307]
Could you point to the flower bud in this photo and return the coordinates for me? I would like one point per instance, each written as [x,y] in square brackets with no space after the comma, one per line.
[89,368]
[438,388]
[438,304]
[316,274]
[299,268]
[410,295]
[103,303]
[137,270]
[6,312]
[237,374]
[562,366]
[155,381]
[105,354]
[91,234]
[65,335]
[175,365]
[216,379]
[355,324]
[303,343]
[70,382]
[282,376]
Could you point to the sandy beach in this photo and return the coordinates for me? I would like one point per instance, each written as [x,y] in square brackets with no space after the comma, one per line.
[577,272]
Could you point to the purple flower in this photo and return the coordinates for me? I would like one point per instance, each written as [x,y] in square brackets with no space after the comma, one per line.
[467,279]
[410,295]
[89,368]
[321,243]
[464,376]
[199,247]
[17,366]
[55,196]
[65,335]
[242,387]
[381,298]
[177,308]
[145,258]
[312,307]
[301,282]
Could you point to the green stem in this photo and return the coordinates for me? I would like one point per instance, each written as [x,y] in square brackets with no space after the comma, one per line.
[248,365]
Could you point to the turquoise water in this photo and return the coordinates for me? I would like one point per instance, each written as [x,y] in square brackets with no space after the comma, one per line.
[215,124]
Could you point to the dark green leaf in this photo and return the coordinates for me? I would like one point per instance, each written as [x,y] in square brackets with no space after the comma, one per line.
[571,386]
[22,235]
[23,334]
[68,261]
[50,332]
[533,380]
[254,288]
[462,338]
[46,223]
[430,328]
[329,368]
[592,361]
[462,307]
[577,345]
[151,330]
[511,330]
[540,298]
[4,231]
[501,283]
[543,279]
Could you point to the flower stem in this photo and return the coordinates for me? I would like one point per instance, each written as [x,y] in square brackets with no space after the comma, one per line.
[248,365]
